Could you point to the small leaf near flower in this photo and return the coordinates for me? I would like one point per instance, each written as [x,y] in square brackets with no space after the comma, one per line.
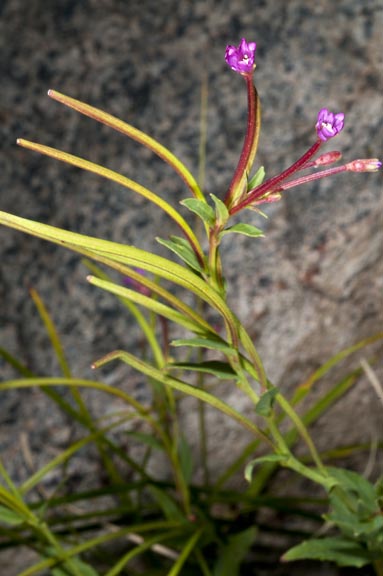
[257,179]
[182,248]
[246,229]
[203,210]
[222,213]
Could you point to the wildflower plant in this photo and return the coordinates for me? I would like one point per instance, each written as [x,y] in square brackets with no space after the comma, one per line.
[184,529]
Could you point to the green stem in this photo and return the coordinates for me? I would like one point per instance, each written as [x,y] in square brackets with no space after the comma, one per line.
[60,552]
[215,267]
[250,349]
[295,418]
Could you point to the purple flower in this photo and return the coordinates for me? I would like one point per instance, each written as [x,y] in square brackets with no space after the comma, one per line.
[241,59]
[329,124]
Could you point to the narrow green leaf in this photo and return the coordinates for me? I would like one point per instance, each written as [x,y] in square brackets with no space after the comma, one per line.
[147,439]
[221,370]
[266,401]
[208,343]
[147,329]
[337,549]
[119,179]
[187,389]
[44,381]
[356,484]
[133,133]
[302,390]
[10,517]
[137,550]
[270,458]
[83,569]
[167,504]
[245,229]
[15,363]
[186,458]
[222,213]
[234,552]
[113,253]
[65,455]
[257,179]
[148,302]
[185,553]
[52,332]
[199,207]
[100,540]
[182,248]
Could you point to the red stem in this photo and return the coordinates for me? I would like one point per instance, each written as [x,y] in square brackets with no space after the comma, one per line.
[311,177]
[249,139]
[272,183]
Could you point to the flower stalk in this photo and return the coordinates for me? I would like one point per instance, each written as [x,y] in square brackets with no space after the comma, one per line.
[238,185]
[272,184]
[241,60]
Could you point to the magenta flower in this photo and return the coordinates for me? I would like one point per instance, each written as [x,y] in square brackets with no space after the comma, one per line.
[329,124]
[241,59]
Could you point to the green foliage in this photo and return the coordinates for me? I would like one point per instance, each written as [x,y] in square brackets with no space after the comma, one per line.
[203,210]
[245,229]
[257,179]
[182,248]
[337,549]
[266,402]
[233,552]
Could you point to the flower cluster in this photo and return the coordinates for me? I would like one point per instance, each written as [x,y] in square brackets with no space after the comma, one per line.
[241,59]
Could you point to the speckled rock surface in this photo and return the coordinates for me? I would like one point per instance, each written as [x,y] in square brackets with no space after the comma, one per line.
[310,288]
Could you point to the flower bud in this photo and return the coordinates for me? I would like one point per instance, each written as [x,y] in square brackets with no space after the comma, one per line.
[364,165]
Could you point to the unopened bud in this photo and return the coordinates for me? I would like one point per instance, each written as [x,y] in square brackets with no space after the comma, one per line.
[364,165]
[324,160]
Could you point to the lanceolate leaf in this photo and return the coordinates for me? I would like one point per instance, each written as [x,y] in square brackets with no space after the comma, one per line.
[266,401]
[257,179]
[148,302]
[221,210]
[133,133]
[119,179]
[109,252]
[337,549]
[208,343]
[270,458]
[221,370]
[187,389]
[234,552]
[246,229]
[182,248]
[186,458]
[154,288]
[203,210]
[10,517]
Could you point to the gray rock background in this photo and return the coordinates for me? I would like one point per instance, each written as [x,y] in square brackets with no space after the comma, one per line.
[310,288]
